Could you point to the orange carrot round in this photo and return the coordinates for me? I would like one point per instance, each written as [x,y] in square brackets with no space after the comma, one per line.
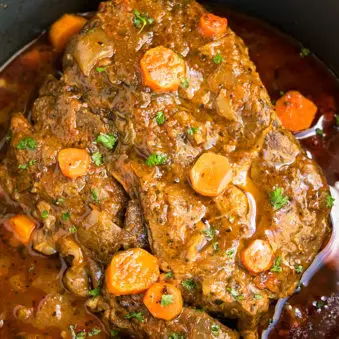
[212,26]
[210,174]
[258,256]
[164,301]
[163,70]
[63,29]
[131,272]
[22,226]
[73,162]
[295,111]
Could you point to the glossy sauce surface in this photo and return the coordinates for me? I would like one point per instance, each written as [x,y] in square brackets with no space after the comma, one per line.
[27,279]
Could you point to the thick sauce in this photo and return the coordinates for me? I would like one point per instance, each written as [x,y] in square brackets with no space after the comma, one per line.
[27,281]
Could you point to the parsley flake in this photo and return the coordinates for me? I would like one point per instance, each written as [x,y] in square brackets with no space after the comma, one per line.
[27,165]
[192,130]
[72,229]
[277,265]
[9,136]
[234,293]
[304,52]
[156,159]
[258,296]
[107,140]
[298,268]
[27,144]
[114,332]
[209,233]
[319,304]
[93,332]
[160,118]
[174,335]
[59,201]
[166,299]
[217,59]
[97,158]
[184,83]
[336,120]
[65,216]
[216,246]
[169,275]
[141,20]
[95,195]
[100,69]
[215,329]
[330,201]
[135,315]
[320,132]
[44,214]
[189,284]
[95,292]
[278,199]
[230,253]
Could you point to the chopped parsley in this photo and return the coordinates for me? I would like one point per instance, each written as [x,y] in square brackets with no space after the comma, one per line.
[135,315]
[336,121]
[184,83]
[27,165]
[169,275]
[192,130]
[234,293]
[44,214]
[298,268]
[72,229]
[95,292]
[160,118]
[319,304]
[27,144]
[230,253]
[83,334]
[174,335]
[141,20]
[189,284]
[114,332]
[216,246]
[107,140]
[97,158]
[59,201]
[217,59]
[330,201]
[304,52]
[65,216]
[231,219]
[9,136]
[320,132]
[101,69]
[215,329]
[277,265]
[95,195]
[282,93]
[156,159]
[258,296]
[278,199]
[166,299]
[95,331]
[209,233]
[31,268]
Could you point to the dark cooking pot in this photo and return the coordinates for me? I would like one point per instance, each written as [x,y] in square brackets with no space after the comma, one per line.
[315,23]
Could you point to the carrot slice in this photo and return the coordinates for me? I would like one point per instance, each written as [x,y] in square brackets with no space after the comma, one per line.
[295,111]
[210,174]
[258,256]
[73,162]
[131,272]
[163,70]
[164,301]
[212,26]
[63,29]
[22,227]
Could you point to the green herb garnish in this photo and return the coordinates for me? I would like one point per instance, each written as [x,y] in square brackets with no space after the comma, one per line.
[258,296]
[94,331]
[27,165]
[192,130]
[234,293]
[156,159]
[320,132]
[59,201]
[336,120]
[100,69]
[230,253]
[95,292]
[27,144]
[304,52]
[160,118]
[9,136]
[72,229]
[215,329]
[217,59]
[216,246]
[319,304]
[330,201]
[278,199]
[277,265]
[189,284]
[65,216]
[95,195]
[169,275]
[114,332]
[135,315]
[44,214]
[184,83]
[97,158]
[108,140]
[298,268]
[141,20]
[166,299]
[174,335]
[209,233]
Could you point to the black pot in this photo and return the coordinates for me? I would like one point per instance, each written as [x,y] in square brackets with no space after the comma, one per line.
[315,23]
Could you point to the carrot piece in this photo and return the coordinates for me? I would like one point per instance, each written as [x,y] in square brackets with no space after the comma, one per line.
[258,256]
[22,227]
[164,301]
[212,26]
[295,111]
[73,162]
[210,174]
[163,70]
[131,272]
[63,29]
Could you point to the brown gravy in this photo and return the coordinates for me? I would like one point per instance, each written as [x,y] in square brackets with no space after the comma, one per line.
[311,312]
